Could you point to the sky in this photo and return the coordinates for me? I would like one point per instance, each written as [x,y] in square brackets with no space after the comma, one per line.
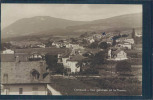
[77,12]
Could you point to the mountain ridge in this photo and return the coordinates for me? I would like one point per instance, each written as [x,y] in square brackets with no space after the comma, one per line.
[49,25]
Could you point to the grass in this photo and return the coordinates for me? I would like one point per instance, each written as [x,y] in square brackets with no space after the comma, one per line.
[97,86]
[76,87]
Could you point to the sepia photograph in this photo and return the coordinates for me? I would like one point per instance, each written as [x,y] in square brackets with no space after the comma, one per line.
[71,49]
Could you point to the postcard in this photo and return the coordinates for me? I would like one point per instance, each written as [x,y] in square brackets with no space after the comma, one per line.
[71,49]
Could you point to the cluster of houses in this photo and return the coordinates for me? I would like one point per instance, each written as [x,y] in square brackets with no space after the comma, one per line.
[125,43]
[28,44]
[23,73]
[66,44]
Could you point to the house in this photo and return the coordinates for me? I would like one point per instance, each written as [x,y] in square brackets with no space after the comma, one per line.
[97,36]
[91,40]
[125,45]
[74,46]
[19,77]
[138,47]
[71,63]
[116,55]
[41,45]
[131,41]
[138,33]
[8,51]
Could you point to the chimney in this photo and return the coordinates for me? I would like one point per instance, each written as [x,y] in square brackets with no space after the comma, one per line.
[42,69]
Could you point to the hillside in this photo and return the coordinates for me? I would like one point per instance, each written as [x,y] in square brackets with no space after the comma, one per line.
[114,23]
[55,26]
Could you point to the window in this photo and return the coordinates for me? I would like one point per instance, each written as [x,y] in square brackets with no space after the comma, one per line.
[35,74]
[20,91]
[5,78]
[35,90]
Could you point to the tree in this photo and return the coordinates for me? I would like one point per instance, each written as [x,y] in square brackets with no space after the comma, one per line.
[133,33]
[52,65]
[51,61]
[59,69]
[98,59]
[84,41]
[90,71]
[84,35]
[93,45]
[103,45]
[114,42]
[93,33]
[5,46]
[123,67]
[48,43]
[73,40]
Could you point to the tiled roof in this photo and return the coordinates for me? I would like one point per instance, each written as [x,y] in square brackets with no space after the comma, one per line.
[76,58]
[7,58]
[20,73]
[12,57]
[66,54]
[116,51]
[41,50]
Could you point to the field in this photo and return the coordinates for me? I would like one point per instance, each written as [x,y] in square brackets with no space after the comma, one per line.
[97,86]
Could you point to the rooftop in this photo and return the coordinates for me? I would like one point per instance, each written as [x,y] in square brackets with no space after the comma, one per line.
[52,50]
[76,58]
[20,73]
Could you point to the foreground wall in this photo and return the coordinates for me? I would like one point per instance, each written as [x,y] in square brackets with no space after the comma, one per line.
[31,89]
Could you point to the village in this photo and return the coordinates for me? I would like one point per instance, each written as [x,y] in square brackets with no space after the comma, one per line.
[93,60]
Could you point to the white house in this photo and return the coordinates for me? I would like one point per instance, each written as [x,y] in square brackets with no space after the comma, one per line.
[74,46]
[138,33]
[91,40]
[125,45]
[72,63]
[117,55]
[131,41]
[41,45]
[73,66]
[8,51]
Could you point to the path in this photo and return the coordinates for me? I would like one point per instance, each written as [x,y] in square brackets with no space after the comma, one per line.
[53,91]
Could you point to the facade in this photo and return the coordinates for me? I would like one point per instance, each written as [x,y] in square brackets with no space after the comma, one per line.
[74,46]
[71,62]
[131,41]
[73,66]
[24,89]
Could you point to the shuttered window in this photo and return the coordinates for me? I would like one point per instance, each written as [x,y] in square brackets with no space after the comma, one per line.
[20,90]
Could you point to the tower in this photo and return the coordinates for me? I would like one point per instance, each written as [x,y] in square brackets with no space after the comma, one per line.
[133,33]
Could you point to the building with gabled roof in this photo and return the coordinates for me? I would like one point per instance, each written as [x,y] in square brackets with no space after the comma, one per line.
[71,62]
[20,76]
